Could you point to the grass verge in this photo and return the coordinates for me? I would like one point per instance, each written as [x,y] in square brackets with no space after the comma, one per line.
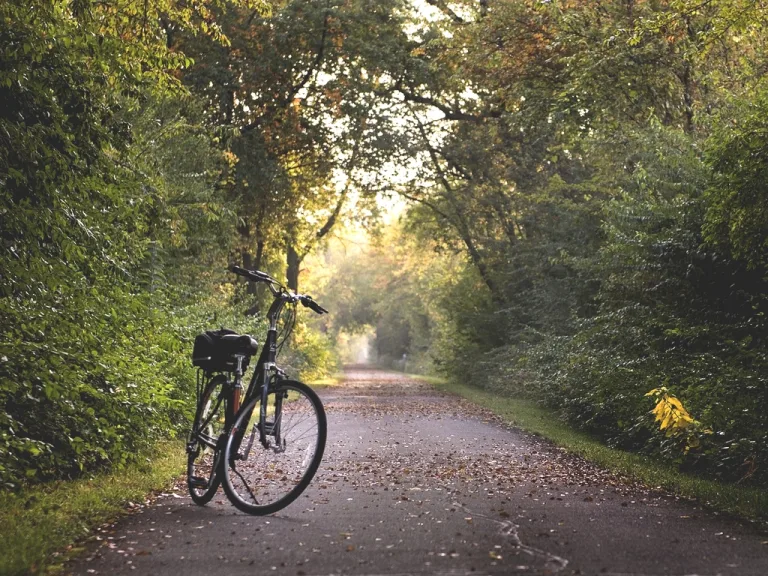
[40,520]
[327,382]
[749,503]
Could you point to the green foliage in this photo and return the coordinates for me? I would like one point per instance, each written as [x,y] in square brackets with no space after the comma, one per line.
[737,213]
[671,309]
[468,327]
[94,203]
[67,411]
[311,354]
[668,309]
[600,167]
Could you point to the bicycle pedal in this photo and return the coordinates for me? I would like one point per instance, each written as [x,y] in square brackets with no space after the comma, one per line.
[197,482]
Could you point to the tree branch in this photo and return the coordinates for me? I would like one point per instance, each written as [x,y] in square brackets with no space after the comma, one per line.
[449,113]
[336,211]
[460,222]
[445,9]
[326,227]
[426,203]
[315,63]
[303,81]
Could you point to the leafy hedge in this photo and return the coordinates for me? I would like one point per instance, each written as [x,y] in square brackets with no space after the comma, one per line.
[89,388]
[666,287]
[109,226]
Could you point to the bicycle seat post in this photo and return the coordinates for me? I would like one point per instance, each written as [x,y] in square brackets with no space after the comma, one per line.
[238,381]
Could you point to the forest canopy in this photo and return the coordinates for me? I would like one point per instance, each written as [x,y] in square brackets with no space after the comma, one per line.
[586,216]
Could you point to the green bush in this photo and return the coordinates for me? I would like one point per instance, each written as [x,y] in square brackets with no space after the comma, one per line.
[92,369]
[673,311]
[309,354]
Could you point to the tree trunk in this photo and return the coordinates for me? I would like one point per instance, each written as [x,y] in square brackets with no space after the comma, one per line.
[292,272]
[459,222]
[259,254]
[482,268]
[248,264]
[507,225]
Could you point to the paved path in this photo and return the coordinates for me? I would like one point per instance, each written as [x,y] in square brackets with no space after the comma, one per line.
[414,482]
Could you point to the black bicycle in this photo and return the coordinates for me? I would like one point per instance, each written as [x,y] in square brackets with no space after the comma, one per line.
[264,446]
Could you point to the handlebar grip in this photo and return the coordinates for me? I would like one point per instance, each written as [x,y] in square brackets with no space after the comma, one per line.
[317,308]
[308,302]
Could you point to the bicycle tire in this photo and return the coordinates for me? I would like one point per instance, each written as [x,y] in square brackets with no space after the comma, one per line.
[204,445]
[280,472]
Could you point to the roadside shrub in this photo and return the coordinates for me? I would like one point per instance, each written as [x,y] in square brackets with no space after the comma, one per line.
[310,353]
[672,310]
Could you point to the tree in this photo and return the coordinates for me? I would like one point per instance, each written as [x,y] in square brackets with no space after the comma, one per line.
[295,92]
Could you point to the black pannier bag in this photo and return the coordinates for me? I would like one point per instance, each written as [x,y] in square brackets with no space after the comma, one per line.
[209,354]
[213,354]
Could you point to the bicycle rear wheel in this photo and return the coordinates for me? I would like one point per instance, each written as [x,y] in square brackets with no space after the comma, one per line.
[204,445]
[262,478]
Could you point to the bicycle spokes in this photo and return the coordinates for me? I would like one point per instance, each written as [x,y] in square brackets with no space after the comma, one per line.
[270,473]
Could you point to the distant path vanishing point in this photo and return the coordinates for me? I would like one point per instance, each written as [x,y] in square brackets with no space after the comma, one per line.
[417,482]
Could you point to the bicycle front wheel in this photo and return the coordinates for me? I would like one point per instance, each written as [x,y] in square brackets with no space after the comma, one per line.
[265,473]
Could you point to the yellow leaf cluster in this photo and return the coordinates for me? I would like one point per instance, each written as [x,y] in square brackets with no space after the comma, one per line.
[675,420]
[671,415]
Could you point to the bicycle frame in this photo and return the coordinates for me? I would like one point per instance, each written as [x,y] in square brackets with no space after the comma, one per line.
[264,372]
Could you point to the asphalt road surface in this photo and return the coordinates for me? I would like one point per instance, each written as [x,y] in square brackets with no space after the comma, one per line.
[416,482]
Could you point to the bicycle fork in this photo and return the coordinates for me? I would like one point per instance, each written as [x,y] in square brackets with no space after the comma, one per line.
[267,429]
[273,428]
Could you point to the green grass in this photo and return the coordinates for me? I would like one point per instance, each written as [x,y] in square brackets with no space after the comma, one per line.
[745,502]
[436,381]
[327,382]
[41,520]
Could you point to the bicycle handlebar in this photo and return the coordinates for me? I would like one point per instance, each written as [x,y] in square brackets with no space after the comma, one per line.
[258,276]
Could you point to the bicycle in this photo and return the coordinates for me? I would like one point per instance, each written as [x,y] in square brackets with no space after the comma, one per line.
[265,446]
